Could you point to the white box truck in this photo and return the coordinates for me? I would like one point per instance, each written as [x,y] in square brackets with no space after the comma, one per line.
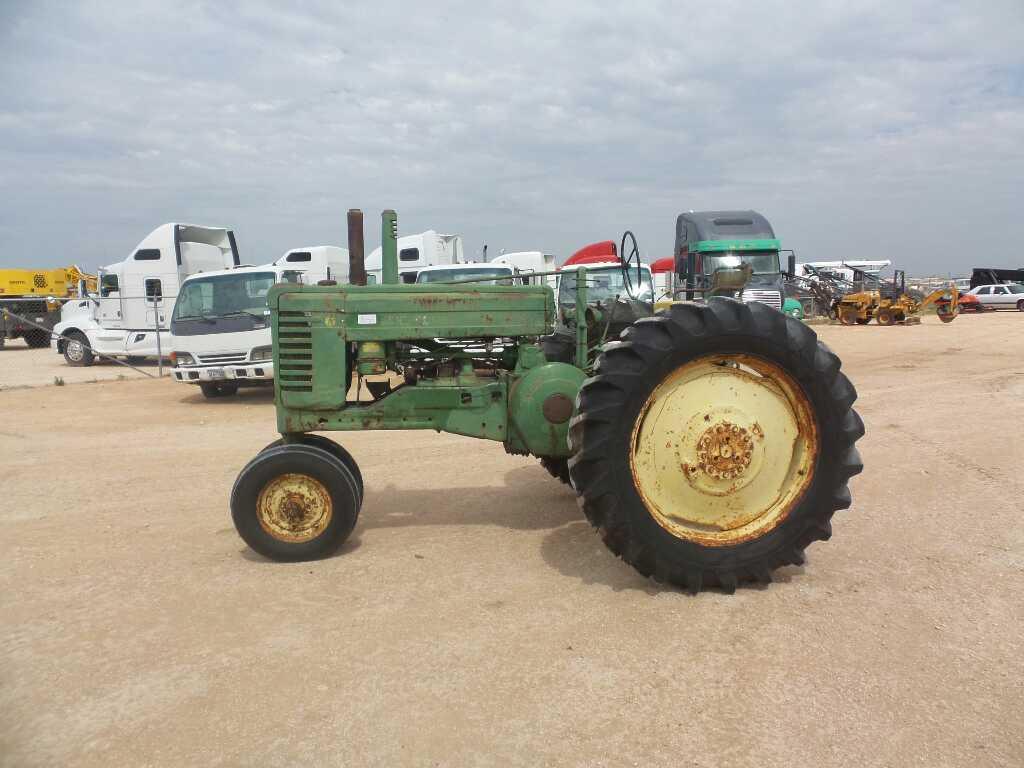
[128,317]
[220,327]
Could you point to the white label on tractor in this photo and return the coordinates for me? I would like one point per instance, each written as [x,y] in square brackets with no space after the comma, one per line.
[366,319]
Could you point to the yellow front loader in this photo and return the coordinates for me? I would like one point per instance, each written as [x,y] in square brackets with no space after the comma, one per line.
[30,298]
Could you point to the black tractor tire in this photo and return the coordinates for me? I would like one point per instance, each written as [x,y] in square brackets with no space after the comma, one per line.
[885,317]
[610,403]
[37,339]
[213,389]
[77,351]
[557,468]
[306,460]
[333,448]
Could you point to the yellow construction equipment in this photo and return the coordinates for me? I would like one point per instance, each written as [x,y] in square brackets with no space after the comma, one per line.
[892,304]
[30,298]
[59,283]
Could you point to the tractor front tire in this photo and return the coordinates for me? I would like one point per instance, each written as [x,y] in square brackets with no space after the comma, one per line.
[557,468]
[295,502]
[885,317]
[714,443]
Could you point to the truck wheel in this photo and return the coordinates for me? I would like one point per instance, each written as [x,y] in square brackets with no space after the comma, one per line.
[295,502]
[557,468]
[77,351]
[714,443]
[1020,305]
[885,317]
[333,448]
[218,389]
[37,339]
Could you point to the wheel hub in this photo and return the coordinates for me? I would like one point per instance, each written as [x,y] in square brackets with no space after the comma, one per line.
[743,434]
[724,451]
[294,507]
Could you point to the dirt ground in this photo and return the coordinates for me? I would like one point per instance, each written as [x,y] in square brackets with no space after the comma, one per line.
[23,367]
[475,619]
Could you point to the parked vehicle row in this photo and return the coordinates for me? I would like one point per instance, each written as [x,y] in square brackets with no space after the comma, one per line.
[999,296]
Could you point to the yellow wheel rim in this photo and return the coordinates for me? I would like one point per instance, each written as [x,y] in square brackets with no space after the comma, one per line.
[723,449]
[294,508]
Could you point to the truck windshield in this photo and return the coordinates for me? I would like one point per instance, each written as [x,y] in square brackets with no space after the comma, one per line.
[763,262]
[460,273]
[224,295]
[604,284]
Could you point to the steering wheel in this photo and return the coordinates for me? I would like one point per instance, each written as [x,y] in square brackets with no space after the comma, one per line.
[626,259]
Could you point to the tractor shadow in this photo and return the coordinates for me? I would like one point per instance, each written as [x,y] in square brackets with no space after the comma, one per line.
[529,500]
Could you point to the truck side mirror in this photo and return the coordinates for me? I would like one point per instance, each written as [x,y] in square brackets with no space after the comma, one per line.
[791,265]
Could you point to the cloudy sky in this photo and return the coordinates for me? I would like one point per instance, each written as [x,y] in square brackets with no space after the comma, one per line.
[883,129]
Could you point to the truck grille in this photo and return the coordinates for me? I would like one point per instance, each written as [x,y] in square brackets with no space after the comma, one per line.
[294,352]
[771,298]
[228,359]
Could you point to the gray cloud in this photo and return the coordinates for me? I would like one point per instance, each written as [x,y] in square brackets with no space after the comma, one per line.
[895,129]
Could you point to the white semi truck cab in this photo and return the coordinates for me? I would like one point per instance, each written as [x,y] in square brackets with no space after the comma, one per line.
[220,328]
[128,317]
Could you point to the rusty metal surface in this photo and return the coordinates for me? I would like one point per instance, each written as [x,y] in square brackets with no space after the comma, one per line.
[557,408]
[724,450]
[294,507]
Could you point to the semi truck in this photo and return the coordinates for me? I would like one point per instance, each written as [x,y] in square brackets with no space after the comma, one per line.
[220,333]
[426,249]
[128,315]
[34,298]
[708,241]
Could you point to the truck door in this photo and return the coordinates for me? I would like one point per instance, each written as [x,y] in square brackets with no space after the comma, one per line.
[109,311]
[154,301]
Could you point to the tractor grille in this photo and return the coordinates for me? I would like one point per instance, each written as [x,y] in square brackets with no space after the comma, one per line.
[222,359]
[771,298]
[294,352]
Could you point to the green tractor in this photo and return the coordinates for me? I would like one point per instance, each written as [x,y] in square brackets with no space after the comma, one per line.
[708,443]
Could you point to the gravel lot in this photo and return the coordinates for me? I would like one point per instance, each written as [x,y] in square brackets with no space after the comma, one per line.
[475,619]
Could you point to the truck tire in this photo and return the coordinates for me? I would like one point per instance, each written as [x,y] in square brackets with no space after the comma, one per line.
[295,502]
[333,448]
[1020,305]
[37,339]
[557,468]
[77,351]
[714,443]
[213,389]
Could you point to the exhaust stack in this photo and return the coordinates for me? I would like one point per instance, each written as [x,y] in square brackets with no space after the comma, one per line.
[356,251]
[389,247]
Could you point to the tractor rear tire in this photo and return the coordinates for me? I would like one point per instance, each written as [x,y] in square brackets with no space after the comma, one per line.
[558,469]
[37,339]
[885,317]
[615,455]
[77,351]
[295,502]
[333,448]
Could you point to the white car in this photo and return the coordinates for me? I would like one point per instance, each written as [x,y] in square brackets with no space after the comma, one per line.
[1007,296]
